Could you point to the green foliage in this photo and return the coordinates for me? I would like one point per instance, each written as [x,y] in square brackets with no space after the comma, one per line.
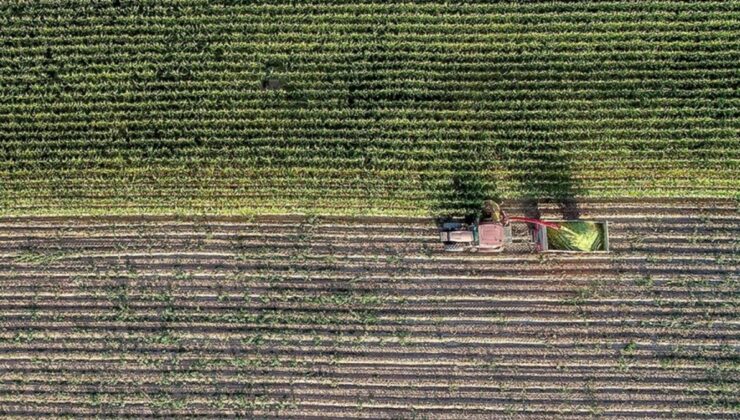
[36,257]
[120,107]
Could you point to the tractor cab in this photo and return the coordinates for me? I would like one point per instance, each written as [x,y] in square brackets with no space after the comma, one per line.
[490,232]
[483,237]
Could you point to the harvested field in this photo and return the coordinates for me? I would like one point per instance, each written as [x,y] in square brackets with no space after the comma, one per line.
[367,318]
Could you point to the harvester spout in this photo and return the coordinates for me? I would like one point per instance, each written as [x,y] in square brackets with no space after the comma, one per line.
[539,222]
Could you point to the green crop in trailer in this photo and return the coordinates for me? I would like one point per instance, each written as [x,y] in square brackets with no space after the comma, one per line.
[577,236]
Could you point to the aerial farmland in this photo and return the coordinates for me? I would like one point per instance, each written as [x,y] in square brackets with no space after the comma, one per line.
[233,209]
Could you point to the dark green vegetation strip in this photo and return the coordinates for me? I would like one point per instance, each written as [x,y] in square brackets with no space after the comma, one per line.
[129,317]
[413,108]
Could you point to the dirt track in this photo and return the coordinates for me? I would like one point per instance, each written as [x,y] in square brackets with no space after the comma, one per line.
[295,317]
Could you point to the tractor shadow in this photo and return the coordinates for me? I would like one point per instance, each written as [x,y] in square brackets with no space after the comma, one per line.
[540,169]
[462,197]
[461,192]
[544,175]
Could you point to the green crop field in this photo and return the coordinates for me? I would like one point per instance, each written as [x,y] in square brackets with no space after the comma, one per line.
[410,108]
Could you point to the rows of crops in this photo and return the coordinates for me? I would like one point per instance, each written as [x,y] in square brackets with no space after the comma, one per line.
[159,106]
[312,317]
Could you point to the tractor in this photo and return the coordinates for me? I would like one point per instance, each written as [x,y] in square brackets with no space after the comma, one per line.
[491,232]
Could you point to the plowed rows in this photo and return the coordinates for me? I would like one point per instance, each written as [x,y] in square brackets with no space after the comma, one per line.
[294,317]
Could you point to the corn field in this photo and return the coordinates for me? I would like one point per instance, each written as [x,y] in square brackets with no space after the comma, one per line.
[417,108]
